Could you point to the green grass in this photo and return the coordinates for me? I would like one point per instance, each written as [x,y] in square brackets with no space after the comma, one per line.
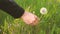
[48,24]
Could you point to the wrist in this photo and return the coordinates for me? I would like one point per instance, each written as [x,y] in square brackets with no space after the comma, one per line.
[23,14]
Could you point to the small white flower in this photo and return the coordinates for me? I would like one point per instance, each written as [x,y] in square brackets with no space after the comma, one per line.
[43,10]
[33,12]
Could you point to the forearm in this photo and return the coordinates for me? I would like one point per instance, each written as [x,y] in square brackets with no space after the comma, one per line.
[11,8]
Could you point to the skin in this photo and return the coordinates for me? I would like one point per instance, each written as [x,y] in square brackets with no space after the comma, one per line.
[30,18]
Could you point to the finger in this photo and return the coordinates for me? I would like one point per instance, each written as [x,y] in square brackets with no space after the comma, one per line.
[35,22]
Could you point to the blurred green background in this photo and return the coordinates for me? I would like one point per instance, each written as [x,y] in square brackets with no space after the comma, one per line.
[48,24]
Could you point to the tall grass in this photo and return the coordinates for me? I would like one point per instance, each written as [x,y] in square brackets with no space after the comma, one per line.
[48,24]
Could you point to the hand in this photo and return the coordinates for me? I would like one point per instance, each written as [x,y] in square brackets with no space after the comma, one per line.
[30,18]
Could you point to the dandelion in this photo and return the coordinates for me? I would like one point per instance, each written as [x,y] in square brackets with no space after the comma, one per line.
[43,10]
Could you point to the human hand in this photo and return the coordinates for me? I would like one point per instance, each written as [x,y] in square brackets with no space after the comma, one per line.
[30,18]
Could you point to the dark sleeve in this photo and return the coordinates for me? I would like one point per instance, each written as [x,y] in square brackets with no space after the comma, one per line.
[11,8]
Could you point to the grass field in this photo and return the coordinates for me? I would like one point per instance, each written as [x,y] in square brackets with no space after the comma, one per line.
[48,24]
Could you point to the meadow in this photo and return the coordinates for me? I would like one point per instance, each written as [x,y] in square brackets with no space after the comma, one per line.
[48,24]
